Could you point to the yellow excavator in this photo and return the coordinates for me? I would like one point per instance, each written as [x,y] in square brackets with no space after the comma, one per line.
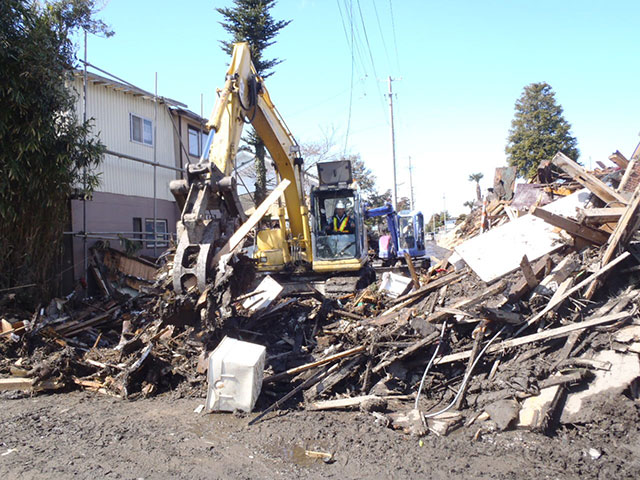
[323,232]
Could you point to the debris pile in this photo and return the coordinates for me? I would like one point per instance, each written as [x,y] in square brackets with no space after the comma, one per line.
[529,323]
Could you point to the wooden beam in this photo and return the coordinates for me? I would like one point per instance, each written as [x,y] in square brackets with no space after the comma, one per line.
[574,228]
[623,232]
[619,159]
[536,337]
[594,184]
[412,270]
[598,216]
[16,383]
[529,275]
[251,222]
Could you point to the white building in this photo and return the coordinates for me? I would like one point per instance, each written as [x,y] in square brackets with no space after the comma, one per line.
[148,143]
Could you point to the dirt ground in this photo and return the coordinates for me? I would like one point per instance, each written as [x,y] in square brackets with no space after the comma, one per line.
[84,435]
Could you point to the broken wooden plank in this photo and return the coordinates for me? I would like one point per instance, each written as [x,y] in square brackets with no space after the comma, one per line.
[619,159]
[317,363]
[352,402]
[16,383]
[407,351]
[522,286]
[586,179]
[469,302]
[527,271]
[251,222]
[553,304]
[623,232]
[574,228]
[536,337]
[598,216]
[330,381]
[429,287]
[412,270]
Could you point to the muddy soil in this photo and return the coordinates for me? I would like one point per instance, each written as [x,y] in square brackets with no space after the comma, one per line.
[84,435]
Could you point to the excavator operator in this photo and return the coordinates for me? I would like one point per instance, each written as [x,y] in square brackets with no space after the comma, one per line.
[341,223]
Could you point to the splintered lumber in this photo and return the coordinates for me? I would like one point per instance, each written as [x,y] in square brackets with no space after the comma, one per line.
[469,302]
[407,351]
[623,232]
[536,337]
[522,286]
[593,183]
[555,303]
[306,384]
[598,216]
[318,363]
[527,271]
[251,222]
[330,381]
[574,228]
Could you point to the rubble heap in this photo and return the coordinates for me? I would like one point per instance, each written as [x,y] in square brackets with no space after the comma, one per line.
[529,323]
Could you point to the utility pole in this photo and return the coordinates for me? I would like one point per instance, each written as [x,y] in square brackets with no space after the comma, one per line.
[410,184]
[393,147]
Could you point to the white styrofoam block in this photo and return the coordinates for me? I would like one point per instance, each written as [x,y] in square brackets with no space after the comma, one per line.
[235,375]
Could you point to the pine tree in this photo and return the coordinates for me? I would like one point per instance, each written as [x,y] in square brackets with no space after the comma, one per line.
[250,21]
[538,130]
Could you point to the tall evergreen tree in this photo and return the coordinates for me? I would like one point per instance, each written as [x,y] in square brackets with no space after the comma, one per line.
[538,130]
[251,21]
[44,149]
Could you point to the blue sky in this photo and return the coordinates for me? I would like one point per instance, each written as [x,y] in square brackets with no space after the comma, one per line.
[459,65]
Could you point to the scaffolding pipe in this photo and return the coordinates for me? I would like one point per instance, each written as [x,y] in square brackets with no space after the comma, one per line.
[85,249]
[155,166]
[142,160]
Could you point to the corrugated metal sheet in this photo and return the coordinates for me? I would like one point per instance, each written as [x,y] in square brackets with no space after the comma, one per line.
[111,111]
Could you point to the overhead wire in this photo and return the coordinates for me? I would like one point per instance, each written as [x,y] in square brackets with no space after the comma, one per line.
[346,137]
[395,39]
[373,64]
[384,42]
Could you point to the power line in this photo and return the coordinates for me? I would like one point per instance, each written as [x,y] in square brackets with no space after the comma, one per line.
[346,137]
[395,40]
[384,43]
[373,65]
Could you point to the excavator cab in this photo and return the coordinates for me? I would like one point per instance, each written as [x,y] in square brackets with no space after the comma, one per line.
[337,220]
[411,233]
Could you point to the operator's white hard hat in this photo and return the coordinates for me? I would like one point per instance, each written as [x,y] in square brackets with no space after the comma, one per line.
[340,204]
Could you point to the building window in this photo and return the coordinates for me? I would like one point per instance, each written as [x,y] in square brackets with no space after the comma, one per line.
[161,232]
[137,227]
[196,141]
[141,130]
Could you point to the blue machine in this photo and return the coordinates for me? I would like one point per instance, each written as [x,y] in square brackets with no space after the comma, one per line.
[406,230]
